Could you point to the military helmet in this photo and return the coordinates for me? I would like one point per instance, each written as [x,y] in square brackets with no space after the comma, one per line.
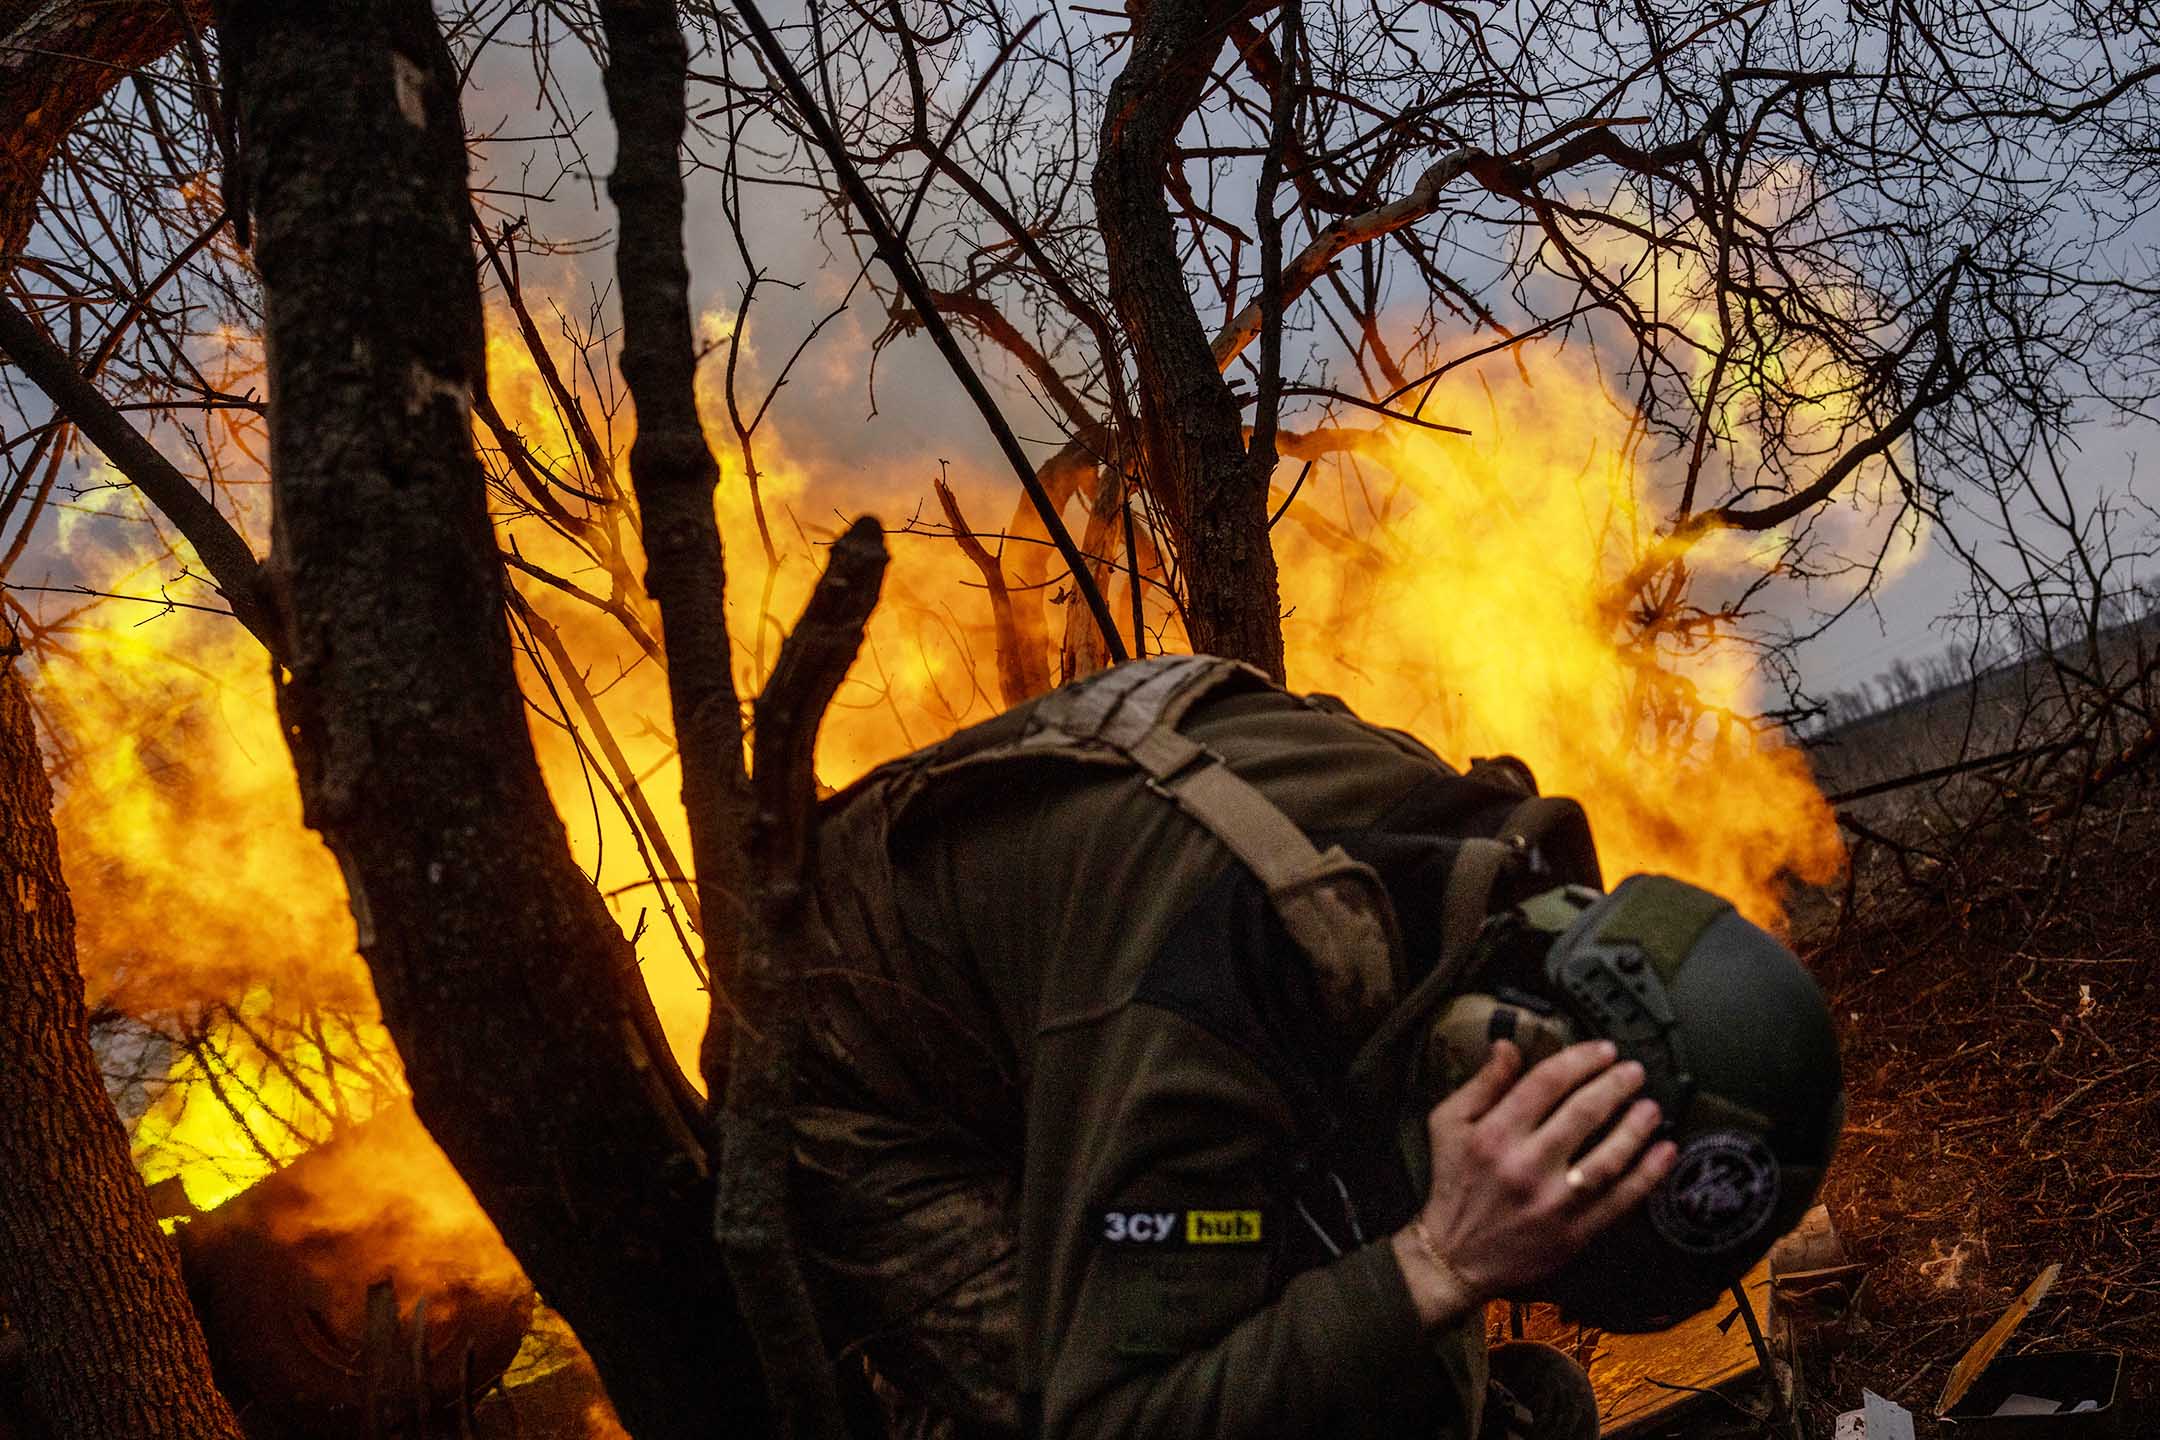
[1737,1048]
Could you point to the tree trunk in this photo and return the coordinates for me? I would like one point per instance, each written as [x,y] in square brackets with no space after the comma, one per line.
[533,1052]
[111,1349]
[752,1217]
[1192,443]
[675,473]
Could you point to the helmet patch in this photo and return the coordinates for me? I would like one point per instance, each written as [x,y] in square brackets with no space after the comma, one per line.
[1719,1194]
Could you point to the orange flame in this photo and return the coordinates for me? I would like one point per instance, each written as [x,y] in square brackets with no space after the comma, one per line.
[925,669]
[1459,588]
[210,916]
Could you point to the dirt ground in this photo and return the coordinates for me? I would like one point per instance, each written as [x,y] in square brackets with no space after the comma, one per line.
[1997,999]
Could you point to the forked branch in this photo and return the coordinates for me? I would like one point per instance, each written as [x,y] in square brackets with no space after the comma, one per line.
[751,1216]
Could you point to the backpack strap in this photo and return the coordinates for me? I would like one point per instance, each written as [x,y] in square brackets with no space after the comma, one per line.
[1334,907]
[1468,898]
[1547,822]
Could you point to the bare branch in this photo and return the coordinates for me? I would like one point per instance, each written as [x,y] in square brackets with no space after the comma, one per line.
[671,464]
[902,266]
[1021,674]
[230,562]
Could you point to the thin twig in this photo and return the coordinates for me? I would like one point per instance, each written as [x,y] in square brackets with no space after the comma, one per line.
[902,265]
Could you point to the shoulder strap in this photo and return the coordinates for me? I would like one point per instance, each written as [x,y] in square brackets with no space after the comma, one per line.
[1547,822]
[1120,705]
[1334,907]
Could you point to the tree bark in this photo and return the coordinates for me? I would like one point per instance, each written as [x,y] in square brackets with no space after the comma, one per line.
[529,1040]
[1192,441]
[111,1348]
[752,1216]
[56,62]
[673,470]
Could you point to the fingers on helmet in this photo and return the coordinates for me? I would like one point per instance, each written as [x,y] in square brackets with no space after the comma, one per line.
[1616,1153]
[1526,1105]
[1632,1188]
[1589,1107]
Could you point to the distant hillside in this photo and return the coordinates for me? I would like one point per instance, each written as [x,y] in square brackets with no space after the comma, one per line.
[1948,713]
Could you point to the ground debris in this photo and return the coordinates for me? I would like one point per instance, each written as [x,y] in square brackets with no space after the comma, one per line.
[1984,1350]
[2000,1075]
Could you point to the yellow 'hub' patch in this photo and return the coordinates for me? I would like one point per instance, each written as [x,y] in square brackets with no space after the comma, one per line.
[1222,1227]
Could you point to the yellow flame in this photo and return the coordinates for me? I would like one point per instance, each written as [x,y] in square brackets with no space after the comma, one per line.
[180,824]
[1460,589]
[924,672]
[242,1104]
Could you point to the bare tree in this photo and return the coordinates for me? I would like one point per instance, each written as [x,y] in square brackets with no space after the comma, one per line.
[1831,260]
[57,61]
[533,1052]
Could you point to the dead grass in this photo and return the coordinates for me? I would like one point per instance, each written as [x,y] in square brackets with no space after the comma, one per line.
[1998,1014]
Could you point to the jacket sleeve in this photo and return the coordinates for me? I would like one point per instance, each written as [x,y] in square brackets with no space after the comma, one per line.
[1170,1338]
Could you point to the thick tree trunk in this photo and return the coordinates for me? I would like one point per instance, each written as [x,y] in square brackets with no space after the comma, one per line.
[1192,442]
[530,1043]
[56,61]
[110,1348]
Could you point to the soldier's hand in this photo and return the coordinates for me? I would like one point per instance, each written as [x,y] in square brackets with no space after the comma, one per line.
[1509,1202]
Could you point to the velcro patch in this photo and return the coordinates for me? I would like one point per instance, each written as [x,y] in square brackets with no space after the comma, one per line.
[1169,1228]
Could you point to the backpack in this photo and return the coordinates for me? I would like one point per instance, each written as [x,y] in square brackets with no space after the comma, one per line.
[1335,908]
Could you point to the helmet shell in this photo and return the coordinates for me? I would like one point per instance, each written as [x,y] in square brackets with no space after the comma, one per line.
[1738,1049]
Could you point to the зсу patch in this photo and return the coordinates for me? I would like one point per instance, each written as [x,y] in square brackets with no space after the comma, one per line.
[1169,1227]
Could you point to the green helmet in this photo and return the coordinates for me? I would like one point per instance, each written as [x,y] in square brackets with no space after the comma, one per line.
[1738,1050]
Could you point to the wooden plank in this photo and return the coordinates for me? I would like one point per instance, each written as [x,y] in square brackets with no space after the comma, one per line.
[1984,1349]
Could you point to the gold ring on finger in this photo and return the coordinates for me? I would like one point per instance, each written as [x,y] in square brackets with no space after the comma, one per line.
[1577,1181]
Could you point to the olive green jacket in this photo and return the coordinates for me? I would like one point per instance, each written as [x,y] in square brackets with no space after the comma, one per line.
[1052,1140]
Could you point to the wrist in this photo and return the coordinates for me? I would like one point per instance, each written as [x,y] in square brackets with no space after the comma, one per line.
[1439,1290]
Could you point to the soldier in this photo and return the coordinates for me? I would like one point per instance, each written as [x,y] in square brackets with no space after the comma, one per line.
[1195,1059]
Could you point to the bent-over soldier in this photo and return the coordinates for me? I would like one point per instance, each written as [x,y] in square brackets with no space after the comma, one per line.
[1195,1060]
